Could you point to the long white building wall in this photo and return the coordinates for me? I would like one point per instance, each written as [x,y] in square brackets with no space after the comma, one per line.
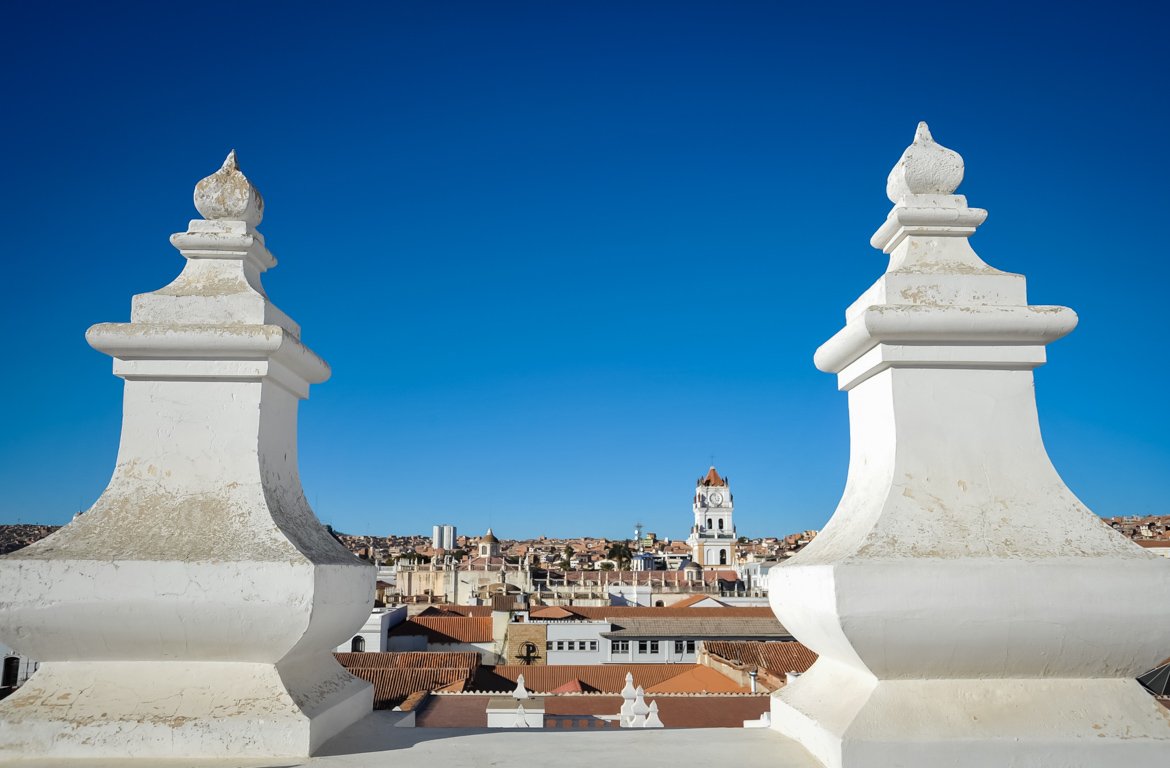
[576,642]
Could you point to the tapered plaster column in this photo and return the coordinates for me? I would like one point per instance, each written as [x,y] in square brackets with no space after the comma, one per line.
[192,610]
[968,610]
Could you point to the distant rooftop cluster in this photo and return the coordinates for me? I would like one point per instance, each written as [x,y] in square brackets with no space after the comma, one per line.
[697,666]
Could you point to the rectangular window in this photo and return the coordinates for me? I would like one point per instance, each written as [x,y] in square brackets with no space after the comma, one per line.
[593,645]
[690,646]
[678,647]
[560,645]
[653,646]
[620,646]
[548,645]
[643,646]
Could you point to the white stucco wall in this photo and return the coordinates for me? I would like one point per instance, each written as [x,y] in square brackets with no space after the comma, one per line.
[578,633]
[25,667]
[376,629]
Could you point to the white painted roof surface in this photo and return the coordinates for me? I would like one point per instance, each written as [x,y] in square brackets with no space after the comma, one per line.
[375,742]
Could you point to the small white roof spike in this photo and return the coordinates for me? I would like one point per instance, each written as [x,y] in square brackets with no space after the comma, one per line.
[652,720]
[628,691]
[640,708]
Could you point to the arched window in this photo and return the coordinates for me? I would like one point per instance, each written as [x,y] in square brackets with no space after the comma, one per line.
[11,672]
[708,522]
[723,557]
[659,604]
[358,644]
[721,523]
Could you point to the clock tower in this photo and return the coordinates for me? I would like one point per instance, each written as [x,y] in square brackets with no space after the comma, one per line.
[712,536]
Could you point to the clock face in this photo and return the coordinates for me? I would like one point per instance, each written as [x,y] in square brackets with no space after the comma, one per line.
[717,498]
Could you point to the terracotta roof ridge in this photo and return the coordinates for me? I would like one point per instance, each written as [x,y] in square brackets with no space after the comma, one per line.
[712,478]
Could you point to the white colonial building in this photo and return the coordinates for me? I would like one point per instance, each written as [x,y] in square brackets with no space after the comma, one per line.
[374,636]
[712,536]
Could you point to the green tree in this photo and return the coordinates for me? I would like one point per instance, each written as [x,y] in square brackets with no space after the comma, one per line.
[620,553]
[566,557]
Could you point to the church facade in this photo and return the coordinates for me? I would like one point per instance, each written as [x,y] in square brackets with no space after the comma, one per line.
[713,536]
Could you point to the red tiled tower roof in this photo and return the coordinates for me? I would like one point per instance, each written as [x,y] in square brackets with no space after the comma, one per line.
[712,478]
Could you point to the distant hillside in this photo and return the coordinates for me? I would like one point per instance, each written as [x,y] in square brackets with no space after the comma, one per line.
[13,537]
[1136,527]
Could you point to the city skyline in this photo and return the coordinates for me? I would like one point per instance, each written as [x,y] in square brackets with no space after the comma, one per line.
[559,256]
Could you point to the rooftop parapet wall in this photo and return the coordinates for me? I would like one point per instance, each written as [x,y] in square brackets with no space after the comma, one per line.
[192,610]
[953,627]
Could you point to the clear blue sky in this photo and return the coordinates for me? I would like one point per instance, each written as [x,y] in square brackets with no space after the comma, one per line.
[559,254]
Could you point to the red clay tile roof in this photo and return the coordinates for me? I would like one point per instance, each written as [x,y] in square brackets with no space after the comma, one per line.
[709,576]
[551,612]
[700,679]
[457,610]
[413,701]
[447,629]
[599,612]
[688,602]
[713,711]
[411,660]
[712,478]
[699,627]
[573,686]
[776,657]
[564,712]
[606,678]
[654,578]
[459,686]
[670,612]
[396,676]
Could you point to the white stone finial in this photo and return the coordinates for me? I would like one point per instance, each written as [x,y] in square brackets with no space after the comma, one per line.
[192,611]
[628,691]
[925,168]
[639,710]
[228,195]
[952,625]
[628,696]
[922,188]
[652,720]
[521,692]
[640,707]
